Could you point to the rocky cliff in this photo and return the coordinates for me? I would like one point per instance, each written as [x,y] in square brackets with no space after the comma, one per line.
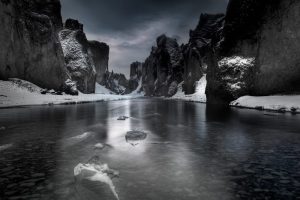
[116,83]
[87,61]
[30,48]
[260,51]
[99,53]
[195,52]
[135,76]
[163,69]
[78,60]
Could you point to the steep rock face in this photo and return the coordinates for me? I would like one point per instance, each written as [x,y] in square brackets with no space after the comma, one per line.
[30,48]
[163,68]
[195,52]
[78,60]
[116,82]
[135,76]
[99,53]
[267,32]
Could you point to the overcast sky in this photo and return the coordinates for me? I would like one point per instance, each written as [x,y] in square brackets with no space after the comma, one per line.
[130,27]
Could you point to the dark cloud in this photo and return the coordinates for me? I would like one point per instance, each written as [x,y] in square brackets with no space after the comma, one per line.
[130,27]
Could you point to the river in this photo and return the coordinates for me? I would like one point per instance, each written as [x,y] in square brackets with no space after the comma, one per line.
[191,152]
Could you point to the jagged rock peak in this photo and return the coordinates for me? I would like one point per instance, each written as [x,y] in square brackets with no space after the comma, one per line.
[136,70]
[206,34]
[73,24]
[99,52]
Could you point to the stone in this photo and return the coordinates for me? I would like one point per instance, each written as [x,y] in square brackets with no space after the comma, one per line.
[99,53]
[269,32]
[122,118]
[32,27]
[116,82]
[163,67]
[195,52]
[135,76]
[134,137]
[79,63]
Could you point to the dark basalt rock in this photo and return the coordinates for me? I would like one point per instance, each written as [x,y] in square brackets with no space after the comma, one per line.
[30,49]
[134,137]
[99,53]
[162,68]
[266,31]
[116,82]
[195,52]
[135,76]
[73,24]
[80,63]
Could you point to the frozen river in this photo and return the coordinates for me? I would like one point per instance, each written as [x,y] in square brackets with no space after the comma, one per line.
[188,152]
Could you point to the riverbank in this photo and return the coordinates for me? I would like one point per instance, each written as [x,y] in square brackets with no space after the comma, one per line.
[27,94]
[284,103]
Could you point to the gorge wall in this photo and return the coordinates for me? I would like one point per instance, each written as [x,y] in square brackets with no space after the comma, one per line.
[252,50]
[170,64]
[30,48]
[196,51]
[37,47]
[259,53]
[163,69]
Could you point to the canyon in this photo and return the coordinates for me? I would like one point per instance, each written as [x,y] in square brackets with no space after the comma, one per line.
[252,49]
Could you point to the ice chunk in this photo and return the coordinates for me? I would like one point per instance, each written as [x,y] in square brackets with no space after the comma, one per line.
[99,146]
[95,171]
[6,146]
[83,136]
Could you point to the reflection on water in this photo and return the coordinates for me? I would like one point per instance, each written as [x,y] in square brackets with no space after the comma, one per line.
[190,152]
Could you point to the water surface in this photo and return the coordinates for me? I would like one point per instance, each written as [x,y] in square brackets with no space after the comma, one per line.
[191,152]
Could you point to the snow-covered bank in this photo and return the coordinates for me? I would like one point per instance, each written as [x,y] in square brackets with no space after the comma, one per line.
[270,103]
[198,96]
[13,95]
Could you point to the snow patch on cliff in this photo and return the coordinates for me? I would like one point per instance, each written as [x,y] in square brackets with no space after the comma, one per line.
[198,96]
[273,103]
[100,89]
[237,61]
[73,52]
[138,91]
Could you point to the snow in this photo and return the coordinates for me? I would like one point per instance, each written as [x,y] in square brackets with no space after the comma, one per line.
[74,50]
[198,96]
[102,90]
[237,61]
[12,95]
[138,91]
[287,103]
[235,71]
